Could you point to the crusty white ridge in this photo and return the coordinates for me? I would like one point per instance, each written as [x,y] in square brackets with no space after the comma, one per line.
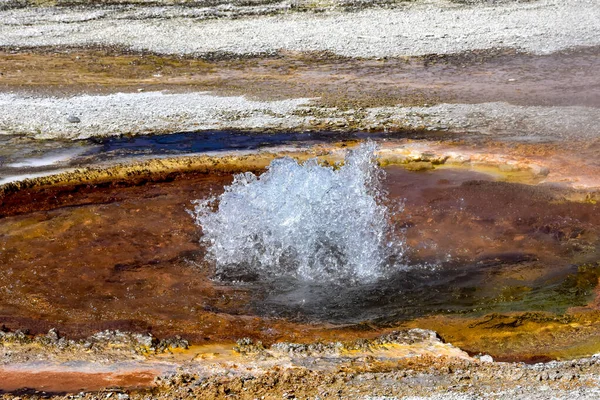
[136,113]
[160,112]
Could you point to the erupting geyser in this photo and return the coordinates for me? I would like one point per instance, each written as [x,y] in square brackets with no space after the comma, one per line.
[307,221]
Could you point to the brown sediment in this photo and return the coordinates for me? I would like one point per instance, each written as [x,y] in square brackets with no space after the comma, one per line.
[126,258]
[473,77]
[115,249]
[470,216]
[56,382]
[120,252]
[59,189]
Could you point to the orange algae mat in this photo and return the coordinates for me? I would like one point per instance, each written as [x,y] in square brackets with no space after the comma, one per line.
[129,258]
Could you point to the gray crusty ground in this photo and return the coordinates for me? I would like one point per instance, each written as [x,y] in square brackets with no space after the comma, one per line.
[407,29]
[159,112]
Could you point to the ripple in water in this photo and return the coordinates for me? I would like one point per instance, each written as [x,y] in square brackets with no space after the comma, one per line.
[305,221]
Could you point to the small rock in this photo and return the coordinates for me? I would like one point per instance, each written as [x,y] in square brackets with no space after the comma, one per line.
[53,335]
[73,119]
[539,170]
[486,358]
[123,396]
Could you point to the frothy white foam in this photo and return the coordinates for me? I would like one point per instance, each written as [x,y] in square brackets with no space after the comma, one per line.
[308,221]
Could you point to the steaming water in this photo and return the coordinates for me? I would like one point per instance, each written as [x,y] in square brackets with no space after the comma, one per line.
[307,221]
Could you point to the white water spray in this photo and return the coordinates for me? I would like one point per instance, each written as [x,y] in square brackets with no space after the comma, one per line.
[307,221]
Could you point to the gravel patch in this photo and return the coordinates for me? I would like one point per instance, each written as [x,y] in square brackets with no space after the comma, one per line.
[525,393]
[443,380]
[87,116]
[409,29]
[498,119]
[139,113]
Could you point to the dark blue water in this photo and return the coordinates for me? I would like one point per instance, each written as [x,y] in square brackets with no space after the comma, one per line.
[211,141]
[21,156]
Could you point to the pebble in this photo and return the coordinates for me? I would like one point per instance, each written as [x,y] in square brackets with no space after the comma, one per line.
[486,359]
[73,119]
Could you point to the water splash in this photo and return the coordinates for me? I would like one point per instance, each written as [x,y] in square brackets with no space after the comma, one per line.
[307,221]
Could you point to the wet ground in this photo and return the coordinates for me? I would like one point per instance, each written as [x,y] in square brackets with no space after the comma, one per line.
[20,156]
[566,78]
[126,257]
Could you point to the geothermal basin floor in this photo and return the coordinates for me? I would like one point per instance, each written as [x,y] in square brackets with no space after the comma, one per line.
[114,117]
